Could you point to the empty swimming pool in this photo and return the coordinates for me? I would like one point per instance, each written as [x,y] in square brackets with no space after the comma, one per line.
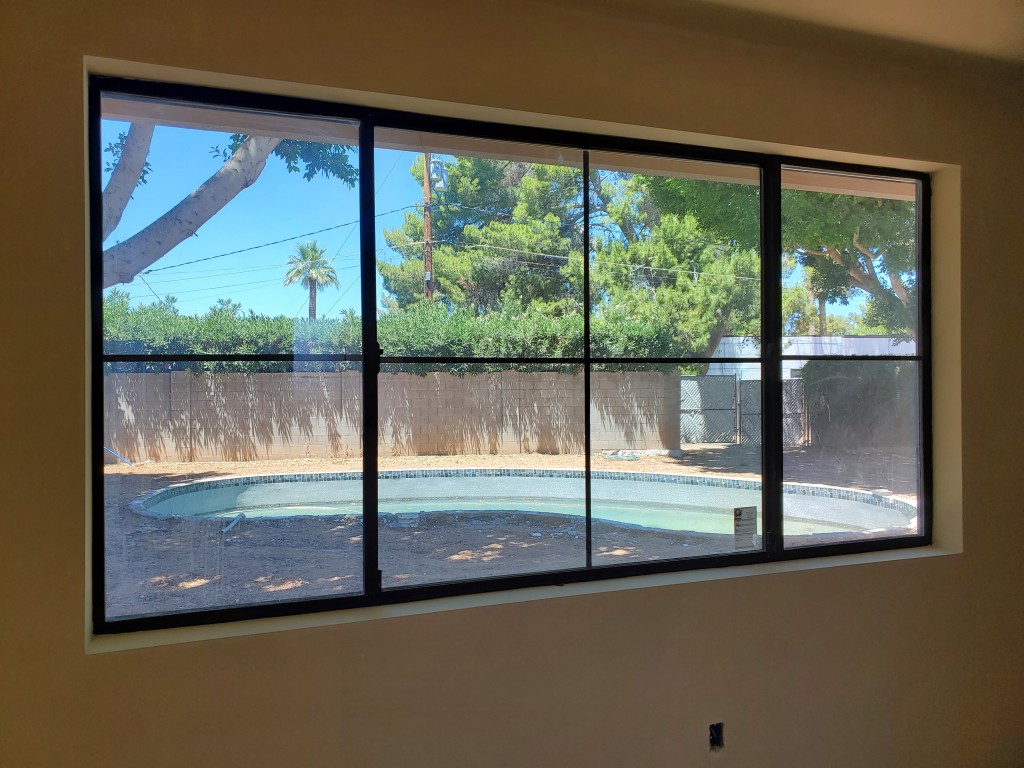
[668,502]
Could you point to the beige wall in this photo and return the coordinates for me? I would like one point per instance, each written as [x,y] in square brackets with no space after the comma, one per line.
[912,662]
[179,416]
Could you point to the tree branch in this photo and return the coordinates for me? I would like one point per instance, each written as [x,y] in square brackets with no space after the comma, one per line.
[124,261]
[835,255]
[625,226]
[830,252]
[869,257]
[717,334]
[899,288]
[860,246]
[865,277]
[894,276]
[859,277]
[125,176]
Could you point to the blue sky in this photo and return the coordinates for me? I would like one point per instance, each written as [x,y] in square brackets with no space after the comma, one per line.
[269,219]
[280,206]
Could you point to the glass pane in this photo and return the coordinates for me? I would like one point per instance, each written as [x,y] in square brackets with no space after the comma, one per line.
[481,247]
[850,264]
[675,255]
[228,231]
[676,459]
[856,474]
[481,472]
[230,487]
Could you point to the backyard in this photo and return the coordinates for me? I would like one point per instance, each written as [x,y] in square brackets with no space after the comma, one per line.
[163,564]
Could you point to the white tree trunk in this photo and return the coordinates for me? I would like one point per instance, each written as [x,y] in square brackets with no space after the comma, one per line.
[125,176]
[124,261]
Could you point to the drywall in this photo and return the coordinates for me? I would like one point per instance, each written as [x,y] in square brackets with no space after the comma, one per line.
[907,662]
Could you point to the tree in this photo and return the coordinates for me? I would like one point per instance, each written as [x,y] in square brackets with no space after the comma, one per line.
[508,244]
[851,244]
[845,244]
[309,267]
[244,160]
[500,233]
[661,270]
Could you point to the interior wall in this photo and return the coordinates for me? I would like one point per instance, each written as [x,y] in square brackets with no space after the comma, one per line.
[916,661]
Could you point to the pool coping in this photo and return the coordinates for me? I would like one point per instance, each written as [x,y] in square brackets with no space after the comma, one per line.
[147,500]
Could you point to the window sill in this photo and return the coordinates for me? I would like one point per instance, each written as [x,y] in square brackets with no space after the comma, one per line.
[155,638]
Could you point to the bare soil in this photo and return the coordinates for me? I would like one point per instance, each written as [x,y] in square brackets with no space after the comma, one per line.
[166,565]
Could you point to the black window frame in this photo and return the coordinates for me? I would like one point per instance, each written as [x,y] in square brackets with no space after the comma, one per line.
[369,118]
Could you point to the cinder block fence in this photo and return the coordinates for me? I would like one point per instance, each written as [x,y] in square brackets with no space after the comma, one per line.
[180,416]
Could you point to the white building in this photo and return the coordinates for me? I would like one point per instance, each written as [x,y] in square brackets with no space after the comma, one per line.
[802,346]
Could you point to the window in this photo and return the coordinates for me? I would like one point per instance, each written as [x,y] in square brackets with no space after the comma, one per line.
[348,357]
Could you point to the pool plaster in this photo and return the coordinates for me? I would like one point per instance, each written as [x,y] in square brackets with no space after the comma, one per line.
[845,507]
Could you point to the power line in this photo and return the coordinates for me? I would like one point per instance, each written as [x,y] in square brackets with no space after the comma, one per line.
[318,232]
[222,287]
[607,263]
[219,287]
[475,246]
[273,242]
[218,273]
[150,289]
[194,299]
[340,297]
[380,186]
[193,276]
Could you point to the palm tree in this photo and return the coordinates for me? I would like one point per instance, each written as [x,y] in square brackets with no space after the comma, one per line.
[309,267]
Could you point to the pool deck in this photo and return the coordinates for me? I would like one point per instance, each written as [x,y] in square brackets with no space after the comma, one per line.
[173,564]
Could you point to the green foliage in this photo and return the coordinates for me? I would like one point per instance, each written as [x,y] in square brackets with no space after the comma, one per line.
[674,266]
[674,292]
[846,245]
[159,328]
[309,158]
[312,158]
[850,244]
[727,211]
[430,329]
[424,329]
[502,231]
[508,242]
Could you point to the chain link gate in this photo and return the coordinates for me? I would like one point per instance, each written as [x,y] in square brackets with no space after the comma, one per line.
[722,409]
[707,407]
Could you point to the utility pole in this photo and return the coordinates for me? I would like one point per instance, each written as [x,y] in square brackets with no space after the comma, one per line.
[428,264]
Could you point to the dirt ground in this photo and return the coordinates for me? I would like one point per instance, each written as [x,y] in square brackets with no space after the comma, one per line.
[165,565]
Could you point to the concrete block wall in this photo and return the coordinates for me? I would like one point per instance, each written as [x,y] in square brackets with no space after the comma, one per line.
[506,412]
[637,410]
[179,416]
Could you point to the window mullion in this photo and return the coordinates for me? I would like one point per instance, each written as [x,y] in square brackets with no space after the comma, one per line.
[371,358]
[99,559]
[586,359]
[924,350]
[771,355]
